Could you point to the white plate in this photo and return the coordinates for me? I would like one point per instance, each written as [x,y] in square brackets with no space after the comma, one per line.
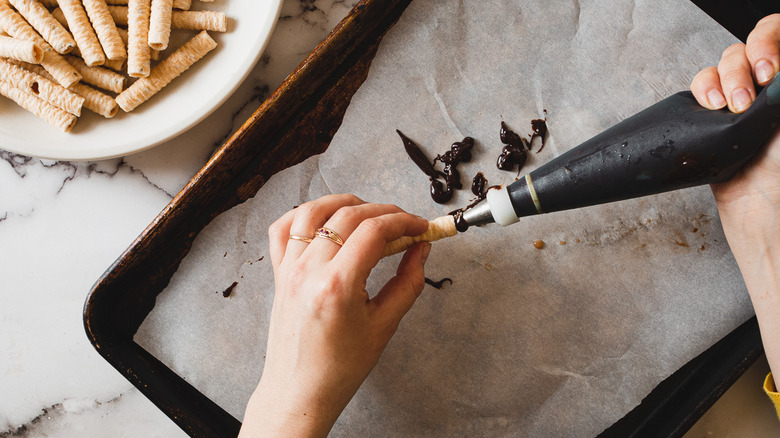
[186,101]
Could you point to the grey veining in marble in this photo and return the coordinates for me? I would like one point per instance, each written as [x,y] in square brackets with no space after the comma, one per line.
[63,223]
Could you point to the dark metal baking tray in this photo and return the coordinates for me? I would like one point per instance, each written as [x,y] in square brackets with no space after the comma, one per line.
[297,121]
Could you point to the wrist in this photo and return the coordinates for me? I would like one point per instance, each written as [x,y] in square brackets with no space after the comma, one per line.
[276,412]
[759,262]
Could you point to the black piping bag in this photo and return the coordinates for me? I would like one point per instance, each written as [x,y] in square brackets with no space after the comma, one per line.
[671,145]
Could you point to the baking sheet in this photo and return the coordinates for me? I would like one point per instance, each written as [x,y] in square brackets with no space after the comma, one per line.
[561,341]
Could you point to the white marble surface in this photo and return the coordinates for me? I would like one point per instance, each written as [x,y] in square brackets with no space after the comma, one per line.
[63,223]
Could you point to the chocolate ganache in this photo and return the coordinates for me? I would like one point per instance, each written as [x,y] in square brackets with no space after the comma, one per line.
[459,152]
[539,127]
[438,284]
[514,154]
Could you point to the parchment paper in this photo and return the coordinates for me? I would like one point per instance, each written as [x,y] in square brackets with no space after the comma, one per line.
[561,341]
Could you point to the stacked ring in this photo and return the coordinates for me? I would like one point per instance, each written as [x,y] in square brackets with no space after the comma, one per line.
[327,233]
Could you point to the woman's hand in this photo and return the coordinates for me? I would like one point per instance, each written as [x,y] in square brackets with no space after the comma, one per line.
[326,335]
[741,65]
[749,203]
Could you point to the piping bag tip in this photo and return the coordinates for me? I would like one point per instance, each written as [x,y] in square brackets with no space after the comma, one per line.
[495,208]
[477,215]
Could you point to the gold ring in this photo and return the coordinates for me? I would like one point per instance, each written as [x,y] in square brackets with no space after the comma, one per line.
[327,233]
[301,238]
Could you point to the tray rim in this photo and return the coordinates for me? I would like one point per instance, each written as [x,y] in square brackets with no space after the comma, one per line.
[655,416]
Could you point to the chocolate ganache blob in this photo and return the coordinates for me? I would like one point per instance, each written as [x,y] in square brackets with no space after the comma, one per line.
[438,284]
[441,191]
[478,184]
[514,154]
[460,224]
[539,127]
[460,152]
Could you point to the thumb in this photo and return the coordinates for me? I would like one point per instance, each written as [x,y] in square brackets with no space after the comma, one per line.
[400,293]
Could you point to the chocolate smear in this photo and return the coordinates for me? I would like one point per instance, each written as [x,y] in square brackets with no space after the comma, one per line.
[226,293]
[438,284]
[417,156]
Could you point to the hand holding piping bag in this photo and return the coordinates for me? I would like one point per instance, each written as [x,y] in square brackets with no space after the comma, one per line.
[749,203]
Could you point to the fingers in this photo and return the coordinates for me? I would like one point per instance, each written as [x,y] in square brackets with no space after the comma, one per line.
[399,294]
[343,214]
[736,78]
[706,89]
[730,83]
[763,49]
[344,222]
[363,250]
[312,215]
[742,66]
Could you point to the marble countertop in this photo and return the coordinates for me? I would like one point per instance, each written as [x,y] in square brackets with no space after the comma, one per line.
[62,224]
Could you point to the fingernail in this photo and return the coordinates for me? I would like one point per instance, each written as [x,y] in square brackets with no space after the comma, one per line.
[426,251]
[716,99]
[741,99]
[765,71]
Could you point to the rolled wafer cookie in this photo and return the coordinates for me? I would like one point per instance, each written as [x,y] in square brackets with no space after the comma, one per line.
[113,64]
[53,62]
[98,76]
[199,20]
[44,88]
[160,24]
[166,71]
[72,11]
[46,111]
[139,55]
[154,54]
[105,28]
[41,20]
[438,228]
[94,100]
[189,20]
[63,72]
[20,50]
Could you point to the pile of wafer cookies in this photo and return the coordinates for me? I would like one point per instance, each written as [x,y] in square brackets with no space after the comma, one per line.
[59,56]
